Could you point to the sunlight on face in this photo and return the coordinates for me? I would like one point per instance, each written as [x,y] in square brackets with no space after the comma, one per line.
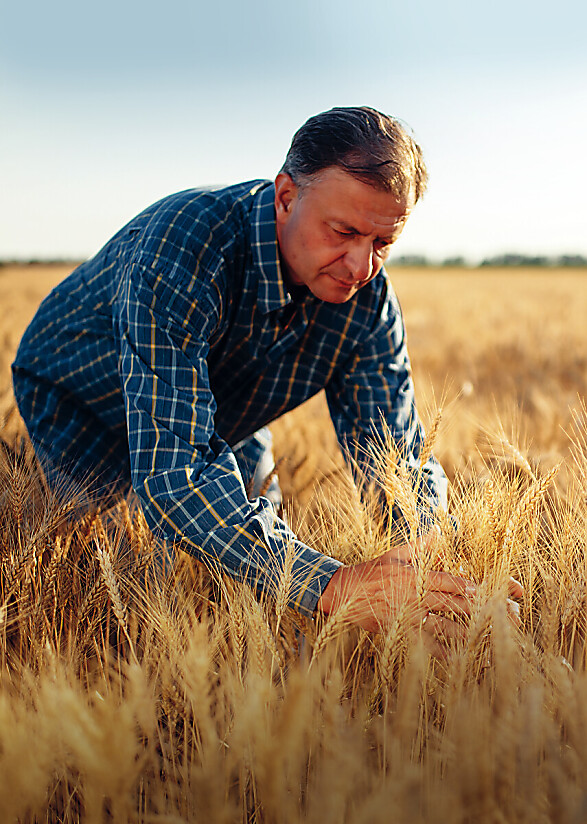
[335,232]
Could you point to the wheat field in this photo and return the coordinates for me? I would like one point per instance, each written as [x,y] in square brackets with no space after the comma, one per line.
[128,696]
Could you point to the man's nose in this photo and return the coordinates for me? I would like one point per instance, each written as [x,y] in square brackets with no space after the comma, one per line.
[359,261]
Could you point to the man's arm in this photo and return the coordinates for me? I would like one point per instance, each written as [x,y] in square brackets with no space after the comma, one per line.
[369,400]
[185,475]
[372,400]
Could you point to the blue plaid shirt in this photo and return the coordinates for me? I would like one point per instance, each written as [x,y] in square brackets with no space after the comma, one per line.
[179,339]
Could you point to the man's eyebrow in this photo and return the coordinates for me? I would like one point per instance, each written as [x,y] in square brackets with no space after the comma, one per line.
[351,229]
[347,228]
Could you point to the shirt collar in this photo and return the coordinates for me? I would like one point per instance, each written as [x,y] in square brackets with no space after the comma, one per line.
[272,292]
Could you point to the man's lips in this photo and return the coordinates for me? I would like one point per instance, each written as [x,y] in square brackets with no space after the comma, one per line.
[345,283]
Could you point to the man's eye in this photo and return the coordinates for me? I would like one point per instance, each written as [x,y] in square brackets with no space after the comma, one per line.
[343,233]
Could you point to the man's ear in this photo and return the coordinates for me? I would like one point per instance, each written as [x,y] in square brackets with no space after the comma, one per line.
[286,193]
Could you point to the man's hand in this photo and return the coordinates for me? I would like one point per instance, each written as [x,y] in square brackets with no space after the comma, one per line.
[375,590]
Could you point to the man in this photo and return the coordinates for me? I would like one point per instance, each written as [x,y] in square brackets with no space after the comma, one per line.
[159,362]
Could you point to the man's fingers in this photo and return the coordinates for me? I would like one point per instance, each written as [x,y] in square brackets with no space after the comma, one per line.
[445,582]
[444,602]
[513,610]
[438,632]
[515,589]
[404,552]
[444,628]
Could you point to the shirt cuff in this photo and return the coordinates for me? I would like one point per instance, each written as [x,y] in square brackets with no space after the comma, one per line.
[311,583]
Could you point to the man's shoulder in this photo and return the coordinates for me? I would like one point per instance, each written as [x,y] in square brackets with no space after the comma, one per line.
[206,204]
[197,226]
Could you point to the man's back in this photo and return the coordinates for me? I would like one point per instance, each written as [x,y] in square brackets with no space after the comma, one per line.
[221,290]
[73,346]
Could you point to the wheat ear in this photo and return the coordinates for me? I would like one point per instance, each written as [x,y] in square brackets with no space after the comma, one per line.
[332,625]
[490,496]
[393,649]
[118,605]
[264,634]
[526,506]
[430,439]
[520,460]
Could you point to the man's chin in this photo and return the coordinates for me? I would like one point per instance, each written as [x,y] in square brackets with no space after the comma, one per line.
[338,291]
[335,295]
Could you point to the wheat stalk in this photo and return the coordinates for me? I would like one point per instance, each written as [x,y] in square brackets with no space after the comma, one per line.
[393,648]
[430,439]
[407,501]
[91,601]
[526,507]
[237,627]
[59,552]
[286,580]
[118,605]
[264,638]
[490,496]
[331,627]
[520,460]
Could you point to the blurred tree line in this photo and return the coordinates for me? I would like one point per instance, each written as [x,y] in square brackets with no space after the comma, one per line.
[508,259]
[38,262]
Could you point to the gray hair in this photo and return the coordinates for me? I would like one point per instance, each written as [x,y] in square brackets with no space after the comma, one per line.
[371,146]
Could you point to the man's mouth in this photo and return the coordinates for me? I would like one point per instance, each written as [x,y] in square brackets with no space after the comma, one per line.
[341,282]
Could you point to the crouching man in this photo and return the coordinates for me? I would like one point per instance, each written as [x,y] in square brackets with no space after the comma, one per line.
[158,363]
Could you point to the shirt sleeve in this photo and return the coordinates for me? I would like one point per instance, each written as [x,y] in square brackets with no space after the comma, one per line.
[186,476]
[374,393]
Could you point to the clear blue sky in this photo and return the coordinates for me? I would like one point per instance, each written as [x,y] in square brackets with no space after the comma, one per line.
[104,111]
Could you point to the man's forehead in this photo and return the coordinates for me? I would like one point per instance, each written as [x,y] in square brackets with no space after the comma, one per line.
[381,216]
[338,190]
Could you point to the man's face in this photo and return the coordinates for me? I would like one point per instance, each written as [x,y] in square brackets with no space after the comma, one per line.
[335,233]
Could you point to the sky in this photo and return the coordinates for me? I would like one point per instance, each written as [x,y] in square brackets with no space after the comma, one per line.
[105,109]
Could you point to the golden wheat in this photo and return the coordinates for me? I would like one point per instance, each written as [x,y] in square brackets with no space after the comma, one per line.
[130,696]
